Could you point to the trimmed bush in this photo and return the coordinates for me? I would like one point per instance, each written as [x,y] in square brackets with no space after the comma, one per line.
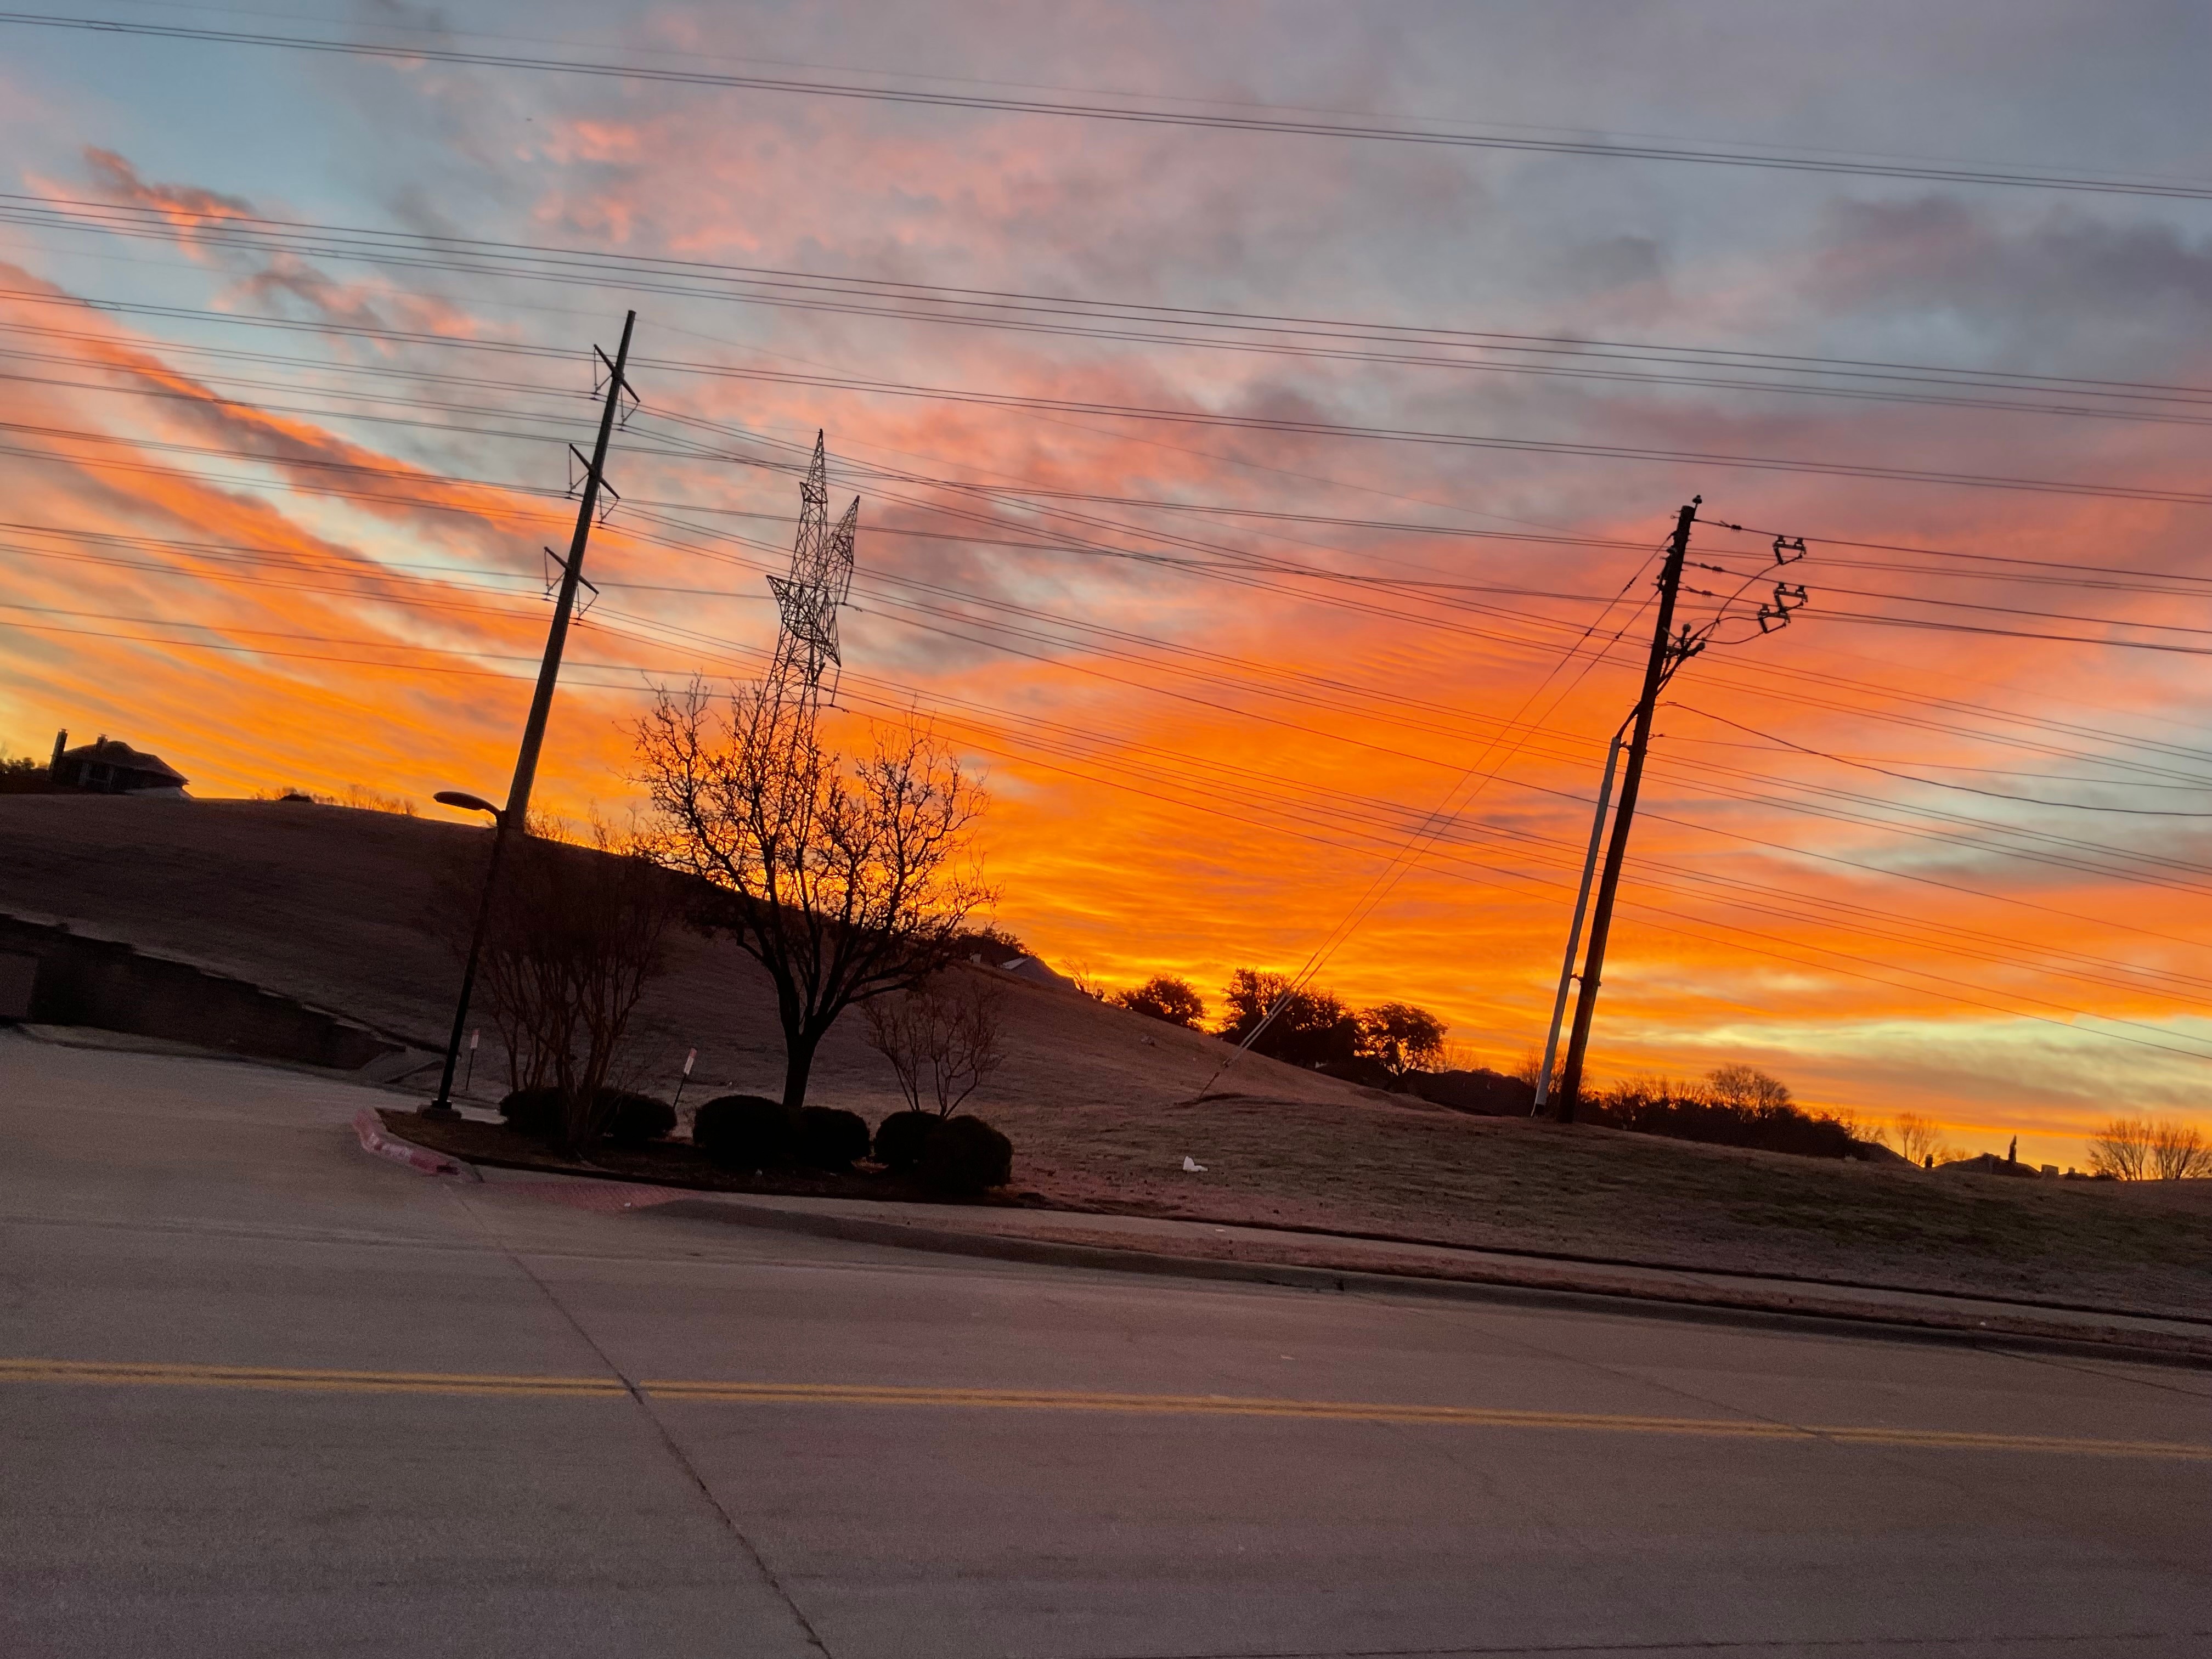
[901,1138]
[831,1139]
[966,1155]
[746,1132]
[630,1119]
[532,1111]
[633,1120]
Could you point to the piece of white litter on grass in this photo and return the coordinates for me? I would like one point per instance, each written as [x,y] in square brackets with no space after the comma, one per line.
[1192,1166]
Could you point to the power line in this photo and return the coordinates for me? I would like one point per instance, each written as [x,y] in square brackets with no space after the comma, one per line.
[1524,356]
[1432,825]
[1135,114]
[897,705]
[1932,783]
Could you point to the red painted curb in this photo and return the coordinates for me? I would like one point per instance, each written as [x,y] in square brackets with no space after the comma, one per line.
[374,1140]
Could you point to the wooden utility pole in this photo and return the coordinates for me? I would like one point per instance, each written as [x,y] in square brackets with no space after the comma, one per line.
[1664,651]
[572,573]
[1575,928]
[514,820]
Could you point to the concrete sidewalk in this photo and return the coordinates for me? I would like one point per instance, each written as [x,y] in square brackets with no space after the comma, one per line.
[1201,1250]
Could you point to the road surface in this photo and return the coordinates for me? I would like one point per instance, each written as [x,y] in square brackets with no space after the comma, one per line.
[264,1394]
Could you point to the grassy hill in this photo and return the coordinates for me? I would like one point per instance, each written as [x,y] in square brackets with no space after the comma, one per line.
[334,906]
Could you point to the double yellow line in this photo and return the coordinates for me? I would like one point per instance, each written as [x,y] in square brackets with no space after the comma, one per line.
[117,1373]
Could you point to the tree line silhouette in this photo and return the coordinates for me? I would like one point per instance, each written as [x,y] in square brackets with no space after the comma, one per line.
[1382,1045]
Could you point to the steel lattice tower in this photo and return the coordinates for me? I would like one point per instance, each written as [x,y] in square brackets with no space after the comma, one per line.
[807,599]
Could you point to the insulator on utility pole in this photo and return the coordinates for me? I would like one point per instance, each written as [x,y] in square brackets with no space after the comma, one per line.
[1664,654]
[572,576]
[514,819]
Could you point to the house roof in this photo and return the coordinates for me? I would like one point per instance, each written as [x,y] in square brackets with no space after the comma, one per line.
[113,751]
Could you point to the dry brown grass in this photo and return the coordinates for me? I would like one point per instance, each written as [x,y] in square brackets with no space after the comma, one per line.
[328,904]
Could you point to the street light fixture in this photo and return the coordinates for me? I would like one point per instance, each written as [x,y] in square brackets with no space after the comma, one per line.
[442,1107]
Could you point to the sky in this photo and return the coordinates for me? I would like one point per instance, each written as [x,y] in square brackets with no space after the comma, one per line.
[1268,511]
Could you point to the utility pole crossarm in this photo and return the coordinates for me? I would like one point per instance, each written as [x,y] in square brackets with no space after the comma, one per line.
[1663,661]
[514,820]
[571,574]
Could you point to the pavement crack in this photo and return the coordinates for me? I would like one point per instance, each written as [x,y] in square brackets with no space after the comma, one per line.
[668,1441]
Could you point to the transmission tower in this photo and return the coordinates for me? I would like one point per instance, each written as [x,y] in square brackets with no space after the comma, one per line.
[807,599]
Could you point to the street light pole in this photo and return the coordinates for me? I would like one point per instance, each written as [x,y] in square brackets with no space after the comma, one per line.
[443,1105]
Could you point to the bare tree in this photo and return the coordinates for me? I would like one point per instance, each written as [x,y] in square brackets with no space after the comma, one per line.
[940,1038]
[2178,1151]
[1747,1088]
[577,934]
[2146,1148]
[1919,1138]
[2123,1148]
[1530,1070]
[844,877]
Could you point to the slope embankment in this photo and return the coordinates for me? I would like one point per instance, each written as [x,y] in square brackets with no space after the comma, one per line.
[339,910]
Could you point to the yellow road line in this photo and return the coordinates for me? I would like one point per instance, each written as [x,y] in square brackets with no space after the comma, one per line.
[286,1377]
[132,1374]
[1369,1412]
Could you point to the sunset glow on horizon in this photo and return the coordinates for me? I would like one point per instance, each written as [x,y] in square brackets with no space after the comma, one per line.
[1270,517]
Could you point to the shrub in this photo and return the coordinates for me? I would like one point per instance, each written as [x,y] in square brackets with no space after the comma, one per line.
[746,1132]
[966,1155]
[900,1138]
[532,1111]
[633,1120]
[628,1119]
[829,1138]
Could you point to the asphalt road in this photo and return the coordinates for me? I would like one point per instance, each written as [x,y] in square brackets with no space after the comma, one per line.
[262,1394]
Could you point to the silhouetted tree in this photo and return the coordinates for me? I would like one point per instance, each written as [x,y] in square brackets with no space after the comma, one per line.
[576,934]
[941,1038]
[844,877]
[1401,1039]
[1530,1071]
[2179,1151]
[2142,1149]
[1920,1139]
[1312,1027]
[1165,997]
[1746,1088]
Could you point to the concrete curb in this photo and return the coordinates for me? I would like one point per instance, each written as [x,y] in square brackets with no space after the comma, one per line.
[1773,1313]
[1783,1309]
[370,1129]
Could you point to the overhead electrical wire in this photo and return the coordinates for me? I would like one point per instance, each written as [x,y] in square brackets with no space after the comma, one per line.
[520,434]
[547,492]
[1122,549]
[1780,741]
[1826,959]
[2118,401]
[1824,613]
[1099,109]
[1368,744]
